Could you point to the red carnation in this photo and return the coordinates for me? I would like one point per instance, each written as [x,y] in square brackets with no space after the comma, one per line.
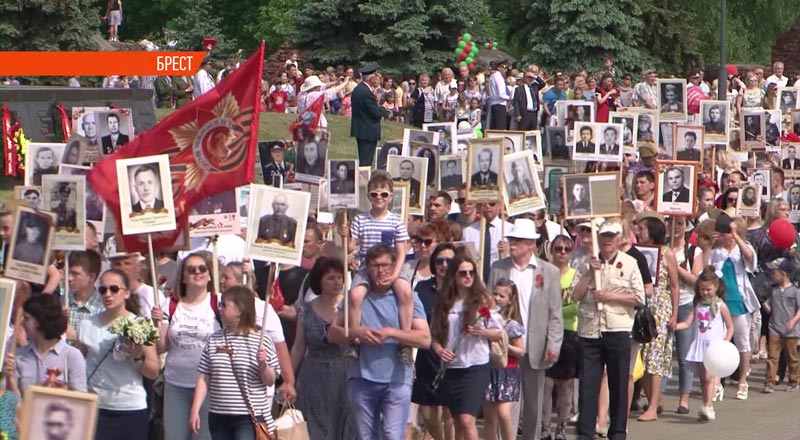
[619,264]
[484,312]
[539,281]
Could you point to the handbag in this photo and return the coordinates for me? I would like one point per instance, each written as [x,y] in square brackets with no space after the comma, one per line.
[291,425]
[498,351]
[259,424]
[644,326]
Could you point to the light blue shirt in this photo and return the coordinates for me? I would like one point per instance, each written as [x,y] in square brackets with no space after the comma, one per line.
[32,368]
[382,363]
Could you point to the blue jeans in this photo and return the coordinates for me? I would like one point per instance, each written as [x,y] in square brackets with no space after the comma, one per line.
[683,339]
[231,427]
[177,406]
[371,401]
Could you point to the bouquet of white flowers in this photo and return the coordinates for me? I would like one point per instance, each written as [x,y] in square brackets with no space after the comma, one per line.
[132,331]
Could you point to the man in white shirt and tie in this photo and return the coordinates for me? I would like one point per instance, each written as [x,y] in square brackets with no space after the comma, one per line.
[147,184]
[498,97]
[493,235]
[202,79]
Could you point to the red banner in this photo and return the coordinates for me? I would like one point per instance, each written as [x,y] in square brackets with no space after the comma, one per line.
[211,143]
[307,122]
[9,149]
[66,122]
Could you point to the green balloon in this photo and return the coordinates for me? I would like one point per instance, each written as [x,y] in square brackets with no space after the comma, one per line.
[475,50]
[495,47]
[457,51]
[467,37]
[486,45]
[468,60]
[463,64]
[462,44]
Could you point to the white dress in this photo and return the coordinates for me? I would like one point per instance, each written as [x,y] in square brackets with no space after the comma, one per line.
[706,329]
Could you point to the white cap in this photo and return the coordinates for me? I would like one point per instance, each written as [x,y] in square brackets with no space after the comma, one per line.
[524,229]
[610,227]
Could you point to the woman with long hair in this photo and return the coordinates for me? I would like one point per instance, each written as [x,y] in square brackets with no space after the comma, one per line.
[462,328]
[186,322]
[236,368]
[117,379]
[321,366]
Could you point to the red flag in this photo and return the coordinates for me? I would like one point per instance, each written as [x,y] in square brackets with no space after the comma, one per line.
[211,143]
[307,122]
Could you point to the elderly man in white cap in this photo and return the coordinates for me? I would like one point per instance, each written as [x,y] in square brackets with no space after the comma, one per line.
[605,322]
[539,295]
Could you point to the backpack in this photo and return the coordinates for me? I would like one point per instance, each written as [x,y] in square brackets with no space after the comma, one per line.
[212,298]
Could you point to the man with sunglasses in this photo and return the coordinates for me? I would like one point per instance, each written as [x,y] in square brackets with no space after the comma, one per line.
[539,300]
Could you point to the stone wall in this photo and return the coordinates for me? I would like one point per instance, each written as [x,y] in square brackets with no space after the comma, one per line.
[787,49]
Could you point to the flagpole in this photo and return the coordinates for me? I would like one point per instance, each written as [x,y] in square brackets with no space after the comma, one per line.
[272,274]
[65,292]
[152,258]
[346,293]
[215,263]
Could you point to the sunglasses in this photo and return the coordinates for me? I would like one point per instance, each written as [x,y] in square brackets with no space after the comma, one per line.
[442,260]
[412,83]
[460,201]
[375,195]
[196,269]
[114,289]
[731,200]
[426,241]
[466,273]
[562,248]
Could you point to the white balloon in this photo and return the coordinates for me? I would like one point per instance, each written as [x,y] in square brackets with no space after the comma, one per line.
[721,358]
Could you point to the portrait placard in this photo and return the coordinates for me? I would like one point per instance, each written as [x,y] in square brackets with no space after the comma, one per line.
[430,152]
[629,122]
[772,129]
[666,144]
[753,126]
[321,192]
[215,215]
[310,161]
[277,159]
[79,151]
[452,169]
[364,174]
[584,143]
[748,204]
[276,229]
[652,254]
[789,154]
[676,187]
[72,413]
[485,163]
[343,184]
[32,195]
[145,195]
[65,196]
[762,177]
[30,245]
[411,170]
[715,121]
[41,159]
[571,112]
[95,206]
[672,100]
[389,148]
[415,135]
[448,133]
[552,182]
[243,201]
[689,142]
[84,123]
[513,141]
[522,192]
[399,203]
[591,195]
[533,142]
[557,148]
[788,99]
[114,128]
[8,288]
[647,126]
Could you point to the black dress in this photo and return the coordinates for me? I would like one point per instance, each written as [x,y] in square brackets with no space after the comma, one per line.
[427,362]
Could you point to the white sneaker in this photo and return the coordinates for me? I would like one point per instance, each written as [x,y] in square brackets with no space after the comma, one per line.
[707,414]
[712,415]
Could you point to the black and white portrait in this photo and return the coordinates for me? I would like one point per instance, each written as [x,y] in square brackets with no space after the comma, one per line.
[310,161]
[32,195]
[610,138]
[75,151]
[753,127]
[666,144]
[146,203]
[591,195]
[42,159]
[646,127]
[748,203]
[688,142]
[762,177]
[447,135]
[557,143]
[276,233]
[95,207]
[533,142]
[513,141]
[629,122]
[416,135]
[675,187]
[715,121]
[146,188]
[772,128]
[342,184]
[672,105]
[485,165]
[215,215]
[554,189]
[399,203]
[790,160]
[30,240]
[451,169]
[576,196]
[274,165]
[522,192]
[391,148]
[364,173]
[652,254]
[65,197]
[411,171]
[430,152]
[585,143]
[570,112]
[115,129]
[58,414]
[788,99]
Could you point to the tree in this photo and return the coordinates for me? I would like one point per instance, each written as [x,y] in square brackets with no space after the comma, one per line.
[272,16]
[48,25]
[402,36]
[671,39]
[196,22]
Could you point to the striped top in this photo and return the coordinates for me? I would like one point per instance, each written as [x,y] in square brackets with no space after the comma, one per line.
[224,396]
[369,231]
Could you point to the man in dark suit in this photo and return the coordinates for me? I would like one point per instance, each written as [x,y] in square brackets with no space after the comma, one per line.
[146,184]
[716,120]
[278,168]
[182,90]
[526,102]
[407,176]
[485,176]
[365,123]
[278,226]
[66,217]
[676,191]
[163,85]
[610,147]
[115,138]
[451,178]
[585,145]
[791,163]
[690,151]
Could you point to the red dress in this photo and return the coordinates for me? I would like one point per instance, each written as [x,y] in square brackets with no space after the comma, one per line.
[603,109]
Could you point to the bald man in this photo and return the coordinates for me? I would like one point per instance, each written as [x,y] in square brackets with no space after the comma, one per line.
[278,226]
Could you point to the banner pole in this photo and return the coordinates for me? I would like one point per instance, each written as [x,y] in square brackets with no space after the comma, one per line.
[272,270]
[152,257]
[345,243]
[215,263]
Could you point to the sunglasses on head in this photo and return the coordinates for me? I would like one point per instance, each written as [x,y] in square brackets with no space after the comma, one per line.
[196,269]
[114,289]
[375,194]
[442,260]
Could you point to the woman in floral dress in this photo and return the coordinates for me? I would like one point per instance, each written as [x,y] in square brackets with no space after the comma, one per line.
[663,303]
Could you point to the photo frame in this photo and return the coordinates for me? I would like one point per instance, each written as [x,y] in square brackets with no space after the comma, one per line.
[452,169]
[42,158]
[277,159]
[652,254]
[321,192]
[689,141]
[343,184]
[113,135]
[84,124]
[77,409]
[430,152]
[513,141]
[411,170]
[748,203]
[96,210]
[310,160]
[557,147]
[787,97]
[753,126]
[8,288]
[276,234]
[416,135]
[522,192]
[145,195]
[65,196]
[32,195]
[533,142]
[79,151]
[215,215]
[570,112]
[676,187]
[772,129]
[715,116]
[399,205]
[243,201]
[647,126]
[31,244]
[671,100]
[553,188]
[630,123]
[666,144]
[591,195]
[762,177]
[389,148]
[485,164]
[448,135]
[610,147]
[364,174]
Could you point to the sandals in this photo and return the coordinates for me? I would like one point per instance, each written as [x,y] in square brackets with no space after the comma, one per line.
[741,394]
[719,393]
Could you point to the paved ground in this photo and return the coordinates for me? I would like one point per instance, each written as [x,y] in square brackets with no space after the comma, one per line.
[762,416]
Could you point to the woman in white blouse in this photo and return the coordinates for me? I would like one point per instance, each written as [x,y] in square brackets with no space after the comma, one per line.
[462,327]
[116,372]
[186,323]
